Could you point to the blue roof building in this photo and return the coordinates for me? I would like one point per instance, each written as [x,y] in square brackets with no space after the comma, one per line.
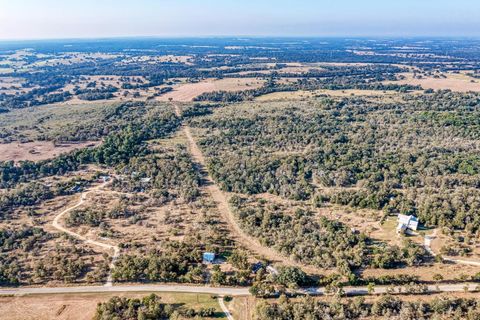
[257,266]
[208,257]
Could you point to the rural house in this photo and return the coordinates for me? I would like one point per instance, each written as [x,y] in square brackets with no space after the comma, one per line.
[406,223]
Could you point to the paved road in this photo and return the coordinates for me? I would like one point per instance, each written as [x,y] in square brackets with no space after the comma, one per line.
[460,287]
[358,291]
[126,288]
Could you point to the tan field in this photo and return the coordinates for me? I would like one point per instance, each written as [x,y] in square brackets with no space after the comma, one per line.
[187,92]
[70,59]
[11,85]
[39,150]
[298,95]
[82,306]
[454,82]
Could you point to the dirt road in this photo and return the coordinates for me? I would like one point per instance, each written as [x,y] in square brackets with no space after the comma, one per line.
[428,246]
[223,207]
[224,308]
[104,246]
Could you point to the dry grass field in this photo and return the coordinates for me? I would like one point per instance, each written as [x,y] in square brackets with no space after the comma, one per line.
[82,306]
[39,150]
[300,95]
[449,272]
[187,92]
[455,82]
[172,221]
[11,85]
[69,59]
[54,244]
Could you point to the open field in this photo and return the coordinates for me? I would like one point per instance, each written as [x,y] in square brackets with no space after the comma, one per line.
[299,95]
[8,82]
[187,92]
[32,124]
[39,150]
[456,246]
[82,306]
[451,81]
[44,254]
[172,221]
[449,271]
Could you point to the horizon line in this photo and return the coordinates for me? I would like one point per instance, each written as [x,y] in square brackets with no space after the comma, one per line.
[133,37]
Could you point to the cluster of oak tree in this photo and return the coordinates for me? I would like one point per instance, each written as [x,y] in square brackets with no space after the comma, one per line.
[386,307]
[127,140]
[165,174]
[148,307]
[318,241]
[413,156]
[30,255]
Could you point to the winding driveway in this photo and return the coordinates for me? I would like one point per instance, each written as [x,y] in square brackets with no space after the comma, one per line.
[104,246]
[428,246]
[224,308]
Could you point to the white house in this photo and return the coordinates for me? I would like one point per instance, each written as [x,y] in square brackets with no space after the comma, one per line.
[407,223]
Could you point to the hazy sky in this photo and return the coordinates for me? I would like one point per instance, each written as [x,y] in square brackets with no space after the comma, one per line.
[31,19]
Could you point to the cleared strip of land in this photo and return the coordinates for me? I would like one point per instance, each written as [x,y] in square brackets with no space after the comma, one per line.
[223,207]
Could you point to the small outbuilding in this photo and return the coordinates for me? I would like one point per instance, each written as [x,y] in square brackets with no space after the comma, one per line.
[104,178]
[272,270]
[76,188]
[145,180]
[257,266]
[208,257]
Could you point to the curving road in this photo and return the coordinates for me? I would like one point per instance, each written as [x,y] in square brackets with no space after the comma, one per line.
[107,247]
[224,308]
